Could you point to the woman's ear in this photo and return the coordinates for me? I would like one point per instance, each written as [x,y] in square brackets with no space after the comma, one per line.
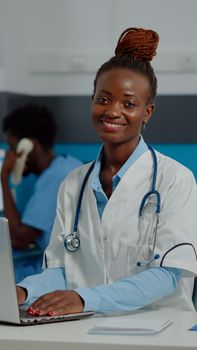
[149,111]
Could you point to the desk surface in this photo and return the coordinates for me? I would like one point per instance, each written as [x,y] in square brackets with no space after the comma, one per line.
[73,335]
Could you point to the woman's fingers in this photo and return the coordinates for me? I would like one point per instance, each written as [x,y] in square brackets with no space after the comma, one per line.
[57,303]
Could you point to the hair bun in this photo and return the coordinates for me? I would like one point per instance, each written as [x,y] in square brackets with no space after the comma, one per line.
[140,43]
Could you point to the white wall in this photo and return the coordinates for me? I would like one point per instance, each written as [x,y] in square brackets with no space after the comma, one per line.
[55,46]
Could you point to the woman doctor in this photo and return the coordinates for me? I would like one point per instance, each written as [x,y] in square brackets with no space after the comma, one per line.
[135,233]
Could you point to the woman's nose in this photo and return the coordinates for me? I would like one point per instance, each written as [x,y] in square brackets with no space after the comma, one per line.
[113,110]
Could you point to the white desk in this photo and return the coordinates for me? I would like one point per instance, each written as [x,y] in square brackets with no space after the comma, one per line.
[73,335]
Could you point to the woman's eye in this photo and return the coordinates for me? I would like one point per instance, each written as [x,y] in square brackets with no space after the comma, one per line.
[102,100]
[129,105]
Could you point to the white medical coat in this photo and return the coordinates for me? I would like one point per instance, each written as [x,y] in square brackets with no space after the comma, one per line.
[110,246]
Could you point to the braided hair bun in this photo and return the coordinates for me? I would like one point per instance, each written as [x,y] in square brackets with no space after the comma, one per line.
[138,42]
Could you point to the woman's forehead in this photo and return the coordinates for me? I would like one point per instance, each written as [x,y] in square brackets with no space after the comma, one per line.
[124,79]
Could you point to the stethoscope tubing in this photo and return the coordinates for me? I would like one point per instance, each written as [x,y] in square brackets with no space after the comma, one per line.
[72,241]
[76,221]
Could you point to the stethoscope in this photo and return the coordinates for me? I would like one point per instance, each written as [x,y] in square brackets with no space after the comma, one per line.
[72,241]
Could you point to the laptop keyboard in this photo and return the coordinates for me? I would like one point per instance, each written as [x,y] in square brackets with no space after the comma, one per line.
[30,319]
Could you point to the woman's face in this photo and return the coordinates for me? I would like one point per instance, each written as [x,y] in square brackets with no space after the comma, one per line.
[120,106]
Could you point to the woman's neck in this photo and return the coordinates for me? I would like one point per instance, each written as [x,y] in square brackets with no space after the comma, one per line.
[114,156]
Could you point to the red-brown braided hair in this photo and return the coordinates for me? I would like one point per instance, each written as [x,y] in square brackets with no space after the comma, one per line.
[140,43]
[135,49]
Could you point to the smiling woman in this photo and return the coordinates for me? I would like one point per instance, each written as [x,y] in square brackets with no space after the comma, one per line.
[133,209]
[123,99]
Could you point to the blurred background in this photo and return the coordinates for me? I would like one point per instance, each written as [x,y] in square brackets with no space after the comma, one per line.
[50,51]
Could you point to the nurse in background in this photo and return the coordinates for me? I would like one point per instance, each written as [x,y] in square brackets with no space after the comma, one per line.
[112,270]
[30,228]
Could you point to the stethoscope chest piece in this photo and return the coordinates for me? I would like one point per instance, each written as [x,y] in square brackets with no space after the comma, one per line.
[72,242]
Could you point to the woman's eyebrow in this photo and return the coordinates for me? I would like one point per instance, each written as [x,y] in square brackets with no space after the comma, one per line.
[127,94]
[105,91]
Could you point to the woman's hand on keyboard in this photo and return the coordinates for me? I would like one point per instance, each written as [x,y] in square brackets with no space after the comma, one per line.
[59,302]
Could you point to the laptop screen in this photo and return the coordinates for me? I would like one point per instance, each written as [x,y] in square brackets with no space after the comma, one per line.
[2,155]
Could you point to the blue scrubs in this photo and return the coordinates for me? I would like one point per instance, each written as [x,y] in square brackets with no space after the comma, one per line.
[40,212]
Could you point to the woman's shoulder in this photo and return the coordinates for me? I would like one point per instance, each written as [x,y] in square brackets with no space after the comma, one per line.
[172,167]
[77,175]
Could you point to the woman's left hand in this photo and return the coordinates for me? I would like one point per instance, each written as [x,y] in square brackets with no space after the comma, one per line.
[59,302]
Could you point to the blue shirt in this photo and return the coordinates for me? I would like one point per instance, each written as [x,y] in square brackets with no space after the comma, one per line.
[126,294]
[40,212]
[101,197]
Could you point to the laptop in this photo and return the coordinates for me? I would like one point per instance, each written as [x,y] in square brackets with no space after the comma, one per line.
[2,155]
[10,312]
